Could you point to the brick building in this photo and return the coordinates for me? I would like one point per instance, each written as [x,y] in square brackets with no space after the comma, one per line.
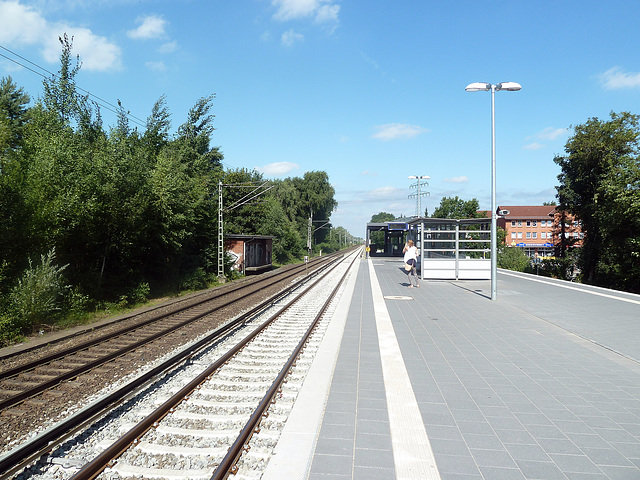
[538,229]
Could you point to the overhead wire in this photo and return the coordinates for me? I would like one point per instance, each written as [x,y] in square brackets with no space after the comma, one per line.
[105,104]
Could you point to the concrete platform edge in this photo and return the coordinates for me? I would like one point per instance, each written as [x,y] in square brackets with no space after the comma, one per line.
[293,454]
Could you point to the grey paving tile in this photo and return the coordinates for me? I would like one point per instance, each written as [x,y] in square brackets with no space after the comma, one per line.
[334,446]
[521,451]
[368,473]
[332,464]
[575,464]
[324,476]
[620,473]
[339,418]
[341,404]
[449,447]
[493,458]
[500,473]
[629,450]
[458,464]
[546,470]
[365,457]
[445,432]
[615,435]
[372,427]
[491,442]
[545,431]
[337,431]
[445,419]
[607,456]
[558,445]
[482,428]
[373,441]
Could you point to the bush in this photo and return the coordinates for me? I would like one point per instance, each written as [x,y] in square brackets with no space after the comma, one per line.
[38,293]
[9,330]
[141,293]
[513,258]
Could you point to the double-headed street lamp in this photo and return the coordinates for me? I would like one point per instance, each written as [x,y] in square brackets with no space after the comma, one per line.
[485,87]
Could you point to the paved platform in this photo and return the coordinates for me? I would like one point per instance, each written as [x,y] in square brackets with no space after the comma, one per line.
[441,382]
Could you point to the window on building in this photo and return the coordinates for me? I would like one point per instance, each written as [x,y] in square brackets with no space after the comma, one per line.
[519,223]
[535,235]
[513,223]
[528,234]
[534,223]
[528,223]
[513,234]
[543,235]
[519,234]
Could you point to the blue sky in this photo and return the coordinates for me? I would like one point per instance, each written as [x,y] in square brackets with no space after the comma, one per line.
[370,91]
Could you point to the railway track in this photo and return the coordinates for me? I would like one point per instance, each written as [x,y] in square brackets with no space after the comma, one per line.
[31,378]
[220,398]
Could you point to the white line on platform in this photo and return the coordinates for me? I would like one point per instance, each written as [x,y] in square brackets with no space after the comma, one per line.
[412,452]
[579,289]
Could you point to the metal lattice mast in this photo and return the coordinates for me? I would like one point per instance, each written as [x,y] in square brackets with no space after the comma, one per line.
[220,234]
[419,183]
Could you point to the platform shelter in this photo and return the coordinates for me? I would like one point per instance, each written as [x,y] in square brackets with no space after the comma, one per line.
[451,249]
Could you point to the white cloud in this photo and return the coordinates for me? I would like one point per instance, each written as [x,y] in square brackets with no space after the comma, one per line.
[290,37]
[96,52]
[327,14]
[615,78]
[168,47]
[22,25]
[545,135]
[394,131]
[551,133]
[156,66]
[278,169]
[459,179]
[382,193]
[533,146]
[151,26]
[368,173]
[323,12]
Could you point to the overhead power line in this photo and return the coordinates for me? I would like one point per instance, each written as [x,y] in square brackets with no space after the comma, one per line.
[101,101]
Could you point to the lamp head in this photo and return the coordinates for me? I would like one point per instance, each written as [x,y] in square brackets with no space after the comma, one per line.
[509,86]
[478,87]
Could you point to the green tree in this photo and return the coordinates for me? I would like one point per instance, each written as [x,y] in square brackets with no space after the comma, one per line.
[513,258]
[382,217]
[13,116]
[599,184]
[456,208]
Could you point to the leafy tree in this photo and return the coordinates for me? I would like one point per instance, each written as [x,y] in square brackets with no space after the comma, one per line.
[13,115]
[456,208]
[513,258]
[600,186]
[382,217]
[156,135]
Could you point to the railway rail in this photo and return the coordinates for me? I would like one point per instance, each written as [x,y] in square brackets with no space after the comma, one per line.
[29,379]
[252,370]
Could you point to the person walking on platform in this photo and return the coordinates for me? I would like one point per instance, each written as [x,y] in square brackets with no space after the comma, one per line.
[411,261]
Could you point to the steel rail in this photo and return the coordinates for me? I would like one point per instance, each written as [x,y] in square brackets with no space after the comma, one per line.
[228,464]
[99,463]
[30,392]
[269,281]
[28,452]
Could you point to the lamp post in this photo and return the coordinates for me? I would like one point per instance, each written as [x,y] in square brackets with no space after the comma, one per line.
[419,183]
[485,87]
